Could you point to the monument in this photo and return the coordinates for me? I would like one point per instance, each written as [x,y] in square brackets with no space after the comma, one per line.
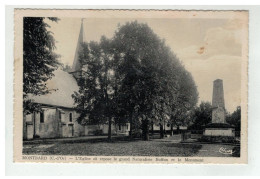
[218,126]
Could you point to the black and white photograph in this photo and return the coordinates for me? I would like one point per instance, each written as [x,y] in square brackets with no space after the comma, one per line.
[131,86]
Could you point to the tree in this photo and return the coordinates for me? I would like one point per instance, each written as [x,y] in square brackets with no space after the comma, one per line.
[235,119]
[39,59]
[134,76]
[151,76]
[66,68]
[187,98]
[96,98]
[202,115]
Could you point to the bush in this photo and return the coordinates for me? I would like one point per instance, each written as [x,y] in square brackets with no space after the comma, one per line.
[136,133]
[204,139]
[236,151]
[228,139]
[223,139]
[237,133]
[196,131]
[98,132]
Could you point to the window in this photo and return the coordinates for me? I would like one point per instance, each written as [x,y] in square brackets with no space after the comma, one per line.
[70,117]
[119,126]
[59,114]
[42,117]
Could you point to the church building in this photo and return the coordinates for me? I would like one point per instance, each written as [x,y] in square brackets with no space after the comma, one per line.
[58,117]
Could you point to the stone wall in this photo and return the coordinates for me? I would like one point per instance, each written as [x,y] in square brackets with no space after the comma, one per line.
[50,127]
[56,124]
[103,128]
[70,128]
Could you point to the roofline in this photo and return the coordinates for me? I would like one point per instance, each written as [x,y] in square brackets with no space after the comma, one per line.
[55,106]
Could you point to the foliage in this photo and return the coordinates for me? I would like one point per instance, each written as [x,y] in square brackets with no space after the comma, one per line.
[201,116]
[155,85]
[187,98]
[213,139]
[39,60]
[95,98]
[134,77]
[236,151]
[235,119]
[66,68]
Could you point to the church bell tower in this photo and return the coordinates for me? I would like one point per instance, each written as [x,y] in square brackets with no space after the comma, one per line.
[77,70]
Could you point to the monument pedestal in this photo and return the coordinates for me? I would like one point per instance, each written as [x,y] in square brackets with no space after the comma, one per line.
[219,129]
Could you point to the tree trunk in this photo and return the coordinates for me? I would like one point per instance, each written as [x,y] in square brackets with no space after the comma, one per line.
[171,129]
[145,129]
[164,128]
[24,126]
[131,126]
[182,136]
[109,129]
[161,131]
[178,129]
[152,129]
[34,125]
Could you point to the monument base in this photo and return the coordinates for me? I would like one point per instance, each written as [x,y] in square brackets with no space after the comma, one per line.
[219,132]
[219,129]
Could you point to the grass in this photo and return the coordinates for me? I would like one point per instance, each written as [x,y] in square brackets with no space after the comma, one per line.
[114,148]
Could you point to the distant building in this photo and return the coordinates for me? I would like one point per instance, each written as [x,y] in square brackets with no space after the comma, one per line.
[58,118]
[168,127]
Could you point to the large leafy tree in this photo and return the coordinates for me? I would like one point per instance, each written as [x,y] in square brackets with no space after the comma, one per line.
[139,48]
[39,59]
[132,77]
[152,76]
[202,116]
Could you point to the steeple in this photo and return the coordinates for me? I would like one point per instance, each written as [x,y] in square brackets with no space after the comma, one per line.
[77,67]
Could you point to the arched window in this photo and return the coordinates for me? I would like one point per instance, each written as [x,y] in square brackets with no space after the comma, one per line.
[42,117]
[70,117]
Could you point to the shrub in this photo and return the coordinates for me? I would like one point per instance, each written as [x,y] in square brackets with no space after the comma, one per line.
[228,139]
[236,151]
[223,139]
[136,133]
[98,132]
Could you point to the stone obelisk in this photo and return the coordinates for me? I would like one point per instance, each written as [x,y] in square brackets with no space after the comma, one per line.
[218,126]
[218,103]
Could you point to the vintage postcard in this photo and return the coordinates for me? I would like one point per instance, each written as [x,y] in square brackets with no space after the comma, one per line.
[130,86]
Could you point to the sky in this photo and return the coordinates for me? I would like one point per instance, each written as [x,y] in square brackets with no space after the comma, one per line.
[209,48]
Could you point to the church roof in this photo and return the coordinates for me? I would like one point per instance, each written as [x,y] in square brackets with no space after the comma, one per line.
[63,86]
